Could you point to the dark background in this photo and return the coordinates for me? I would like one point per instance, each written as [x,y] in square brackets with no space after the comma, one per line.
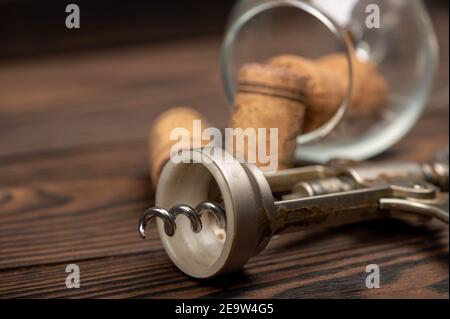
[30,28]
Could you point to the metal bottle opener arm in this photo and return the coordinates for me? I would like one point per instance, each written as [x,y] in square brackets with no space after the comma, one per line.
[358,205]
[346,191]
[238,208]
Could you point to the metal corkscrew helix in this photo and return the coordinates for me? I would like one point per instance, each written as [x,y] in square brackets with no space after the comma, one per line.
[255,206]
[194,216]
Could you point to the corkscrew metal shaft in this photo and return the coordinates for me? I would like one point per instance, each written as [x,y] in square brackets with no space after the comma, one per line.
[246,207]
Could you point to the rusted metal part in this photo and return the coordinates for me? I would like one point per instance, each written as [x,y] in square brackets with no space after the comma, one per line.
[350,206]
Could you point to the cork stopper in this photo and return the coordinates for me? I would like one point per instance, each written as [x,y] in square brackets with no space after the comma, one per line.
[160,144]
[370,89]
[327,86]
[270,97]
[323,93]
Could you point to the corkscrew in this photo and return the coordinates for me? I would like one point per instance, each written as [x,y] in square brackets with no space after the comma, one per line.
[194,216]
[240,208]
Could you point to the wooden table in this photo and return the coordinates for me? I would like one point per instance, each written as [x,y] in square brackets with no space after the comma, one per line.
[74,179]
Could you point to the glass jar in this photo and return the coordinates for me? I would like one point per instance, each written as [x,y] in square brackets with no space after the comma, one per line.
[396,36]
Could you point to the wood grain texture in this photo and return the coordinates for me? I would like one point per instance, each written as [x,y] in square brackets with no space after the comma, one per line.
[74,180]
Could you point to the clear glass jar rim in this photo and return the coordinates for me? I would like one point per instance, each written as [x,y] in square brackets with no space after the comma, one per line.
[331,25]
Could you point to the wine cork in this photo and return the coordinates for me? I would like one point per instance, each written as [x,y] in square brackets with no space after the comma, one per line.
[327,86]
[369,90]
[323,93]
[160,143]
[269,97]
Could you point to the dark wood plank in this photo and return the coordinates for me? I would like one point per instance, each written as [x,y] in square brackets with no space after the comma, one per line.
[104,98]
[329,263]
[74,180]
[75,220]
[103,160]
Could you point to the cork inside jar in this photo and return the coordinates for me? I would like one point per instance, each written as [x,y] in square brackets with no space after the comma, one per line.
[260,30]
